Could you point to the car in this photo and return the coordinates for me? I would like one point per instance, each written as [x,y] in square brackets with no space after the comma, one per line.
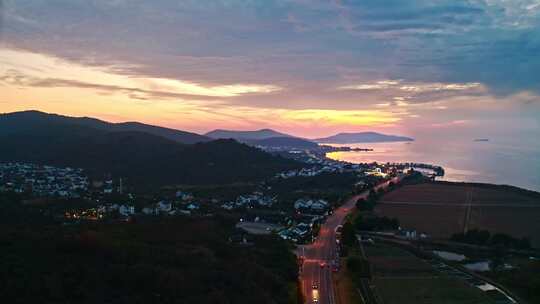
[315,295]
[315,285]
[322,264]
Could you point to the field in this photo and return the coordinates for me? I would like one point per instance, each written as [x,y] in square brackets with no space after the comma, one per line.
[400,277]
[442,209]
[428,291]
[391,261]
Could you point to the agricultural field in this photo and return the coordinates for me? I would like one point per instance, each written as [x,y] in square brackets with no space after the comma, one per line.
[428,290]
[401,277]
[442,209]
[447,193]
[387,261]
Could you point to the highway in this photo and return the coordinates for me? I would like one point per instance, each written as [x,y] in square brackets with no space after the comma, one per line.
[323,252]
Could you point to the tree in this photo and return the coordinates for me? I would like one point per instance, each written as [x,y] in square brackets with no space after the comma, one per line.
[348,235]
[359,266]
[363,205]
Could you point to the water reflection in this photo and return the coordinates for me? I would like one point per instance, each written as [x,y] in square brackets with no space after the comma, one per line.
[502,162]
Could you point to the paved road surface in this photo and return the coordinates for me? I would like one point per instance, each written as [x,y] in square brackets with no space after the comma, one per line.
[323,251]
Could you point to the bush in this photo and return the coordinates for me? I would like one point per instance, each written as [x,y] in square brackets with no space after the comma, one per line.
[375,223]
[484,238]
[359,266]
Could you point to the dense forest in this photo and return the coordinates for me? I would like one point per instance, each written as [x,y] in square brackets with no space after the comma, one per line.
[174,260]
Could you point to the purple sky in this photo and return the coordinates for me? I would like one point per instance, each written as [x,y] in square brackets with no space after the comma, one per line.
[310,68]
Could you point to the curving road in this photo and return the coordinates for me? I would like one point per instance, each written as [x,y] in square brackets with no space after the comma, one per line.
[323,252]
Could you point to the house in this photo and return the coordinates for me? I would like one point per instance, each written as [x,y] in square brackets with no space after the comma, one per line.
[301,229]
[228,206]
[319,205]
[126,210]
[164,206]
[184,195]
[149,210]
[302,204]
[186,212]
[193,206]
[316,205]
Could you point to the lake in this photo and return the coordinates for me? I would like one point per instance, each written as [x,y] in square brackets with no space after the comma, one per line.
[508,161]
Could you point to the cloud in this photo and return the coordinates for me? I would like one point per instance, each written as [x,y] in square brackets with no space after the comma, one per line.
[36,70]
[17,79]
[403,93]
[284,42]
[451,124]
[401,58]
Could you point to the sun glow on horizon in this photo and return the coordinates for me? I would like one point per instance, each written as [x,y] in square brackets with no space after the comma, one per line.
[42,82]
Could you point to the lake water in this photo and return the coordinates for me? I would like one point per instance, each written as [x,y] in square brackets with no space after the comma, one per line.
[508,161]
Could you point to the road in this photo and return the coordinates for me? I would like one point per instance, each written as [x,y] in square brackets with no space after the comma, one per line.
[323,251]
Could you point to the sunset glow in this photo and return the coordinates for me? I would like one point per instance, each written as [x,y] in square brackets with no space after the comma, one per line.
[361,77]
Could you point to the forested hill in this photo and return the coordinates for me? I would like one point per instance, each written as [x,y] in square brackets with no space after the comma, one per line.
[291,142]
[246,135]
[12,123]
[139,157]
[174,260]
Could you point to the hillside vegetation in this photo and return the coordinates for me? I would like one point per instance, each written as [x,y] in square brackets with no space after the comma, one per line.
[175,260]
[139,157]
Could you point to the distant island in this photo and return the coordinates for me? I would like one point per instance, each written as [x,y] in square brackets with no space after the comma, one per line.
[481,139]
[362,137]
[272,138]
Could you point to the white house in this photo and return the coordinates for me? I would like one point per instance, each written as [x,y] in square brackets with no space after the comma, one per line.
[192,206]
[319,205]
[164,206]
[148,210]
[126,210]
[302,204]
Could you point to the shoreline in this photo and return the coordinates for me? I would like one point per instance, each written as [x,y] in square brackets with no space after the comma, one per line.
[452,173]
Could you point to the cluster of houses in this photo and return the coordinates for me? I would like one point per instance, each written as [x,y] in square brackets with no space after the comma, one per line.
[313,171]
[183,205]
[301,231]
[126,210]
[311,205]
[256,199]
[42,180]
[168,208]
[320,166]
[101,212]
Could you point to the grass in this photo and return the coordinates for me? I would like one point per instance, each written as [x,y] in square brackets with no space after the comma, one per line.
[429,290]
[393,261]
[380,250]
[402,278]
[346,290]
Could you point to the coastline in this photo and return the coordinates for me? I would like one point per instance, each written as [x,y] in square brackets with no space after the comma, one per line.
[493,162]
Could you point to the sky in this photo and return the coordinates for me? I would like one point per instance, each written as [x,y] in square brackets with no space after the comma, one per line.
[450,68]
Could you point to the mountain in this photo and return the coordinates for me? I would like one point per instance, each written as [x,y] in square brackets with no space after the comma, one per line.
[246,135]
[141,158]
[31,120]
[362,137]
[264,137]
[288,142]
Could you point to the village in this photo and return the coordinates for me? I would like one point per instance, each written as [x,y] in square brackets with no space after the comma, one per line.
[263,211]
[42,180]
